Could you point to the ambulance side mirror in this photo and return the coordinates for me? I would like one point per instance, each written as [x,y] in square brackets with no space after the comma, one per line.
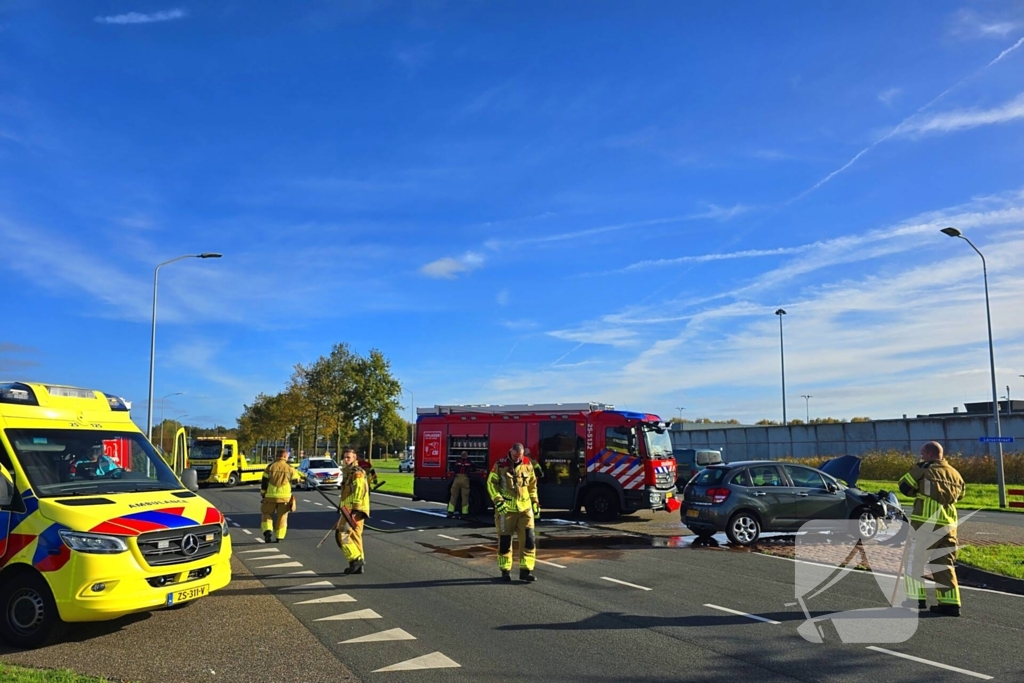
[190,479]
[6,492]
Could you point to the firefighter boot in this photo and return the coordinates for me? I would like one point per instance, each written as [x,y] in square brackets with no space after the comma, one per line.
[506,575]
[946,610]
[527,575]
[268,537]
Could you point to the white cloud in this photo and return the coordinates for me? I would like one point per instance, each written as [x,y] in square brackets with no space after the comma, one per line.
[449,268]
[893,336]
[969,24]
[961,119]
[502,298]
[888,95]
[139,18]
[520,325]
[705,258]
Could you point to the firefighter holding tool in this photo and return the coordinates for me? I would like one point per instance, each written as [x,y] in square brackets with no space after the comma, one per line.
[512,487]
[276,497]
[936,487]
[355,496]
[460,486]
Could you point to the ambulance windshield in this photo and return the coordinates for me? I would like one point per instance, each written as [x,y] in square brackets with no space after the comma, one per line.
[68,462]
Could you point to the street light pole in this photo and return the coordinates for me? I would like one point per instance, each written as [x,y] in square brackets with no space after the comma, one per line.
[680,413]
[152,336]
[807,401]
[1000,479]
[412,421]
[782,353]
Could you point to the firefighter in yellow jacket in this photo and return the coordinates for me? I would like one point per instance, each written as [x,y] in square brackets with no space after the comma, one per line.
[936,487]
[276,492]
[512,486]
[355,495]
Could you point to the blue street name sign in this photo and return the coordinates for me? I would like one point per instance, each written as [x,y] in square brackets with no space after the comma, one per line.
[996,439]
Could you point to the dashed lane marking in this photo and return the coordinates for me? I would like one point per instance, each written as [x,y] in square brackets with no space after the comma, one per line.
[432,513]
[435,660]
[743,614]
[411,528]
[315,586]
[552,564]
[342,597]
[320,504]
[929,662]
[387,521]
[306,501]
[450,538]
[405,498]
[259,550]
[626,583]
[227,518]
[381,636]
[280,565]
[236,524]
[349,616]
[246,531]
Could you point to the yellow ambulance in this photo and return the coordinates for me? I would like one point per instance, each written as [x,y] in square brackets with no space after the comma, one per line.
[93,523]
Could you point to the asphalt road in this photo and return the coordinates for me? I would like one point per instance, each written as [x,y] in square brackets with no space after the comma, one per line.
[609,606]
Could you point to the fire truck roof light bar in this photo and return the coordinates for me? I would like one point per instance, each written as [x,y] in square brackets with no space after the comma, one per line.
[514,408]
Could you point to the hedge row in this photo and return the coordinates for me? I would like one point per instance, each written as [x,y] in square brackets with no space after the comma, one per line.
[892,464]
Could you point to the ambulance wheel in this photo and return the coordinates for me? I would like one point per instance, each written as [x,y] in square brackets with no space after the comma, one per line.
[30,618]
[232,480]
[602,504]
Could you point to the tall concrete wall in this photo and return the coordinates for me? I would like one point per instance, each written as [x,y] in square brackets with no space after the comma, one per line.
[956,434]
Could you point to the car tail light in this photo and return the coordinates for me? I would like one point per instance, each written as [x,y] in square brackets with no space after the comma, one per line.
[718,495]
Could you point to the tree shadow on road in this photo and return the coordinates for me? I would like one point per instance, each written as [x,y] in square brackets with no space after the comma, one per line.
[620,621]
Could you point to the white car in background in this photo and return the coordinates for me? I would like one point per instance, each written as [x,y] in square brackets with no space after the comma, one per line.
[319,473]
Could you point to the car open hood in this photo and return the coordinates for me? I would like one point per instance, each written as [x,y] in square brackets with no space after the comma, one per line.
[845,467]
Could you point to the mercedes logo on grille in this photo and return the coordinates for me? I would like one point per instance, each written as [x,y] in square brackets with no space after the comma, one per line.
[190,544]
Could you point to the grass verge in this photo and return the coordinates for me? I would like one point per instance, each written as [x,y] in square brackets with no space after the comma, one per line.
[1007,560]
[399,483]
[977,497]
[18,674]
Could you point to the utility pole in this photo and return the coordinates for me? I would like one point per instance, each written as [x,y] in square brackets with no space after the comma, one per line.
[782,353]
[807,400]
[680,413]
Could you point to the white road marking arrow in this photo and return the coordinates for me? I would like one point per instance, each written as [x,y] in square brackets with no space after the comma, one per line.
[258,550]
[269,557]
[434,660]
[391,634]
[291,575]
[343,597]
[347,616]
[280,565]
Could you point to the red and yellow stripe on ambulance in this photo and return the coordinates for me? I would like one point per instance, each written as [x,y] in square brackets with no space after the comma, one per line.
[93,523]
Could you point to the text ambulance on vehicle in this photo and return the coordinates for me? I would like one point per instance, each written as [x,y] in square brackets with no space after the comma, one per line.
[587,454]
[217,460]
[93,523]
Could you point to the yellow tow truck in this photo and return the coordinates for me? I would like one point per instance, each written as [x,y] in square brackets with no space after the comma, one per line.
[217,460]
[94,524]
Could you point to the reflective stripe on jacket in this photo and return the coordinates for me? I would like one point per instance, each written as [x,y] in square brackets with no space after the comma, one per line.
[936,487]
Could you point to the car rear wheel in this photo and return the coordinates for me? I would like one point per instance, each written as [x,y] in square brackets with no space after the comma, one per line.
[29,618]
[743,529]
[867,523]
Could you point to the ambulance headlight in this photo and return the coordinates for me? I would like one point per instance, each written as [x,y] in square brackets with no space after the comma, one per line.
[224,528]
[93,543]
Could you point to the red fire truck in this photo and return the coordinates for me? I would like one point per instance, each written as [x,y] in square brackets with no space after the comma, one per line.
[586,454]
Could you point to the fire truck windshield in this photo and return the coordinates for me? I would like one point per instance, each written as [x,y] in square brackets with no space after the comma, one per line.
[659,444]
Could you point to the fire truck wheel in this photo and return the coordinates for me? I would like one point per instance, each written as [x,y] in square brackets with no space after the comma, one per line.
[602,504]
[232,480]
[29,616]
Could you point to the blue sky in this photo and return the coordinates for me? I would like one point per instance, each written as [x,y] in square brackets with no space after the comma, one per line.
[517,202]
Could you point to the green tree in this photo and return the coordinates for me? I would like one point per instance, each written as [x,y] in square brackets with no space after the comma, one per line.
[376,391]
[860,419]
[767,423]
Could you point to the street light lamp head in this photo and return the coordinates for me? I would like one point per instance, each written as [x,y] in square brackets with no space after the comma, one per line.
[952,232]
[209,255]
[780,312]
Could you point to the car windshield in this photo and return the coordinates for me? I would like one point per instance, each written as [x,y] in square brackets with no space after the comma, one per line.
[659,445]
[322,464]
[206,451]
[63,462]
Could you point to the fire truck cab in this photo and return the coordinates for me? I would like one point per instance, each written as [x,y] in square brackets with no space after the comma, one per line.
[585,454]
